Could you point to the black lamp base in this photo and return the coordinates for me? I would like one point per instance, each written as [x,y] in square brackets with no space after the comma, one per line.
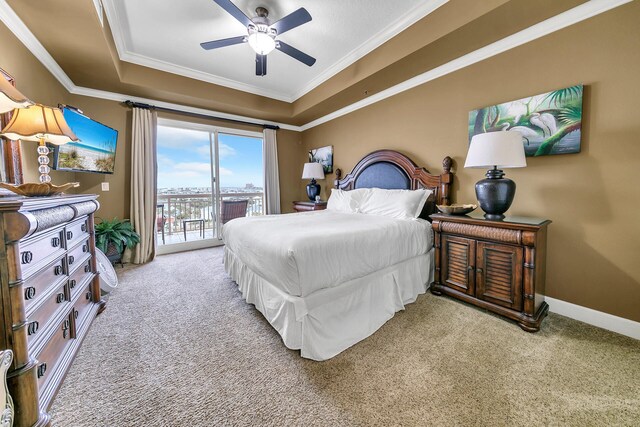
[313,190]
[495,194]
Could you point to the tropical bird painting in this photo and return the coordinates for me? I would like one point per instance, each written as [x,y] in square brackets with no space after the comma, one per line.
[549,123]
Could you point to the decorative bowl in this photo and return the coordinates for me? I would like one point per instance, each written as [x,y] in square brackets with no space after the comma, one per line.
[457,209]
[32,189]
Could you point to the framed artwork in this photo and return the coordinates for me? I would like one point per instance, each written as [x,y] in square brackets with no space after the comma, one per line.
[550,123]
[324,156]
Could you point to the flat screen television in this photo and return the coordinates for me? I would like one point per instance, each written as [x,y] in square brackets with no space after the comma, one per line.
[94,152]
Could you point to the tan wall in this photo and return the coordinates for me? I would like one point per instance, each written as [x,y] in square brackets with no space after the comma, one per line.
[592,197]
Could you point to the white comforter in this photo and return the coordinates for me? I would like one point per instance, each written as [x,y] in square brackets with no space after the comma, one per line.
[304,252]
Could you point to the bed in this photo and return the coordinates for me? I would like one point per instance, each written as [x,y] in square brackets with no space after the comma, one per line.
[326,280]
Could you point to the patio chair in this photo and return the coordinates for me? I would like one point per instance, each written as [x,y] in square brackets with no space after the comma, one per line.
[160,223]
[231,209]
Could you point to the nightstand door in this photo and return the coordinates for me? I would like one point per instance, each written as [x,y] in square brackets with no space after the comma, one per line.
[499,274]
[458,261]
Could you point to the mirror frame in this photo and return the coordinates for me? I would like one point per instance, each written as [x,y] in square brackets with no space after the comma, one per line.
[11,165]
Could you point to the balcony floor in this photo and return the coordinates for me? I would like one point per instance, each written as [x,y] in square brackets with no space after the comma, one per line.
[178,237]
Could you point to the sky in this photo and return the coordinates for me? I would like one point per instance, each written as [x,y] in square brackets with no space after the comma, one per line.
[91,133]
[184,159]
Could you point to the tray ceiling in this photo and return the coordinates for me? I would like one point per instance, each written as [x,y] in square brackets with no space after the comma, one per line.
[166,35]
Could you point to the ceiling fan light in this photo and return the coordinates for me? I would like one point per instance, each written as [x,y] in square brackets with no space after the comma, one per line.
[261,43]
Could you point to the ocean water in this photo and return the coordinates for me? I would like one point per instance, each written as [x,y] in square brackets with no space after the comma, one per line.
[567,145]
[67,147]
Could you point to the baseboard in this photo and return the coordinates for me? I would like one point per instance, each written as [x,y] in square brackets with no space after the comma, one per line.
[596,318]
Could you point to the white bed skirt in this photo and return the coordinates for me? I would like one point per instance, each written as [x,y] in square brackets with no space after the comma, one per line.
[329,321]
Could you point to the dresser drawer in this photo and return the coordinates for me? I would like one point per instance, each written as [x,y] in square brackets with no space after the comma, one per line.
[37,250]
[54,303]
[76,231]
[53,351]
[79,276]
[83,305]
[77,254]
[38,284]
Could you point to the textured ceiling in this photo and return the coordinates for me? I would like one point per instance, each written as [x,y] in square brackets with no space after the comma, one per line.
[166,35]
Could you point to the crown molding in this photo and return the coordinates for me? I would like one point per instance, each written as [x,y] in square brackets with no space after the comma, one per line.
[122,37]
[20,30]
[169,67]
[376,41]
[558,22]
[118,97]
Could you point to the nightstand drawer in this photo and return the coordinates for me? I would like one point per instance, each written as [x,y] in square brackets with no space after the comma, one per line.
[75,231]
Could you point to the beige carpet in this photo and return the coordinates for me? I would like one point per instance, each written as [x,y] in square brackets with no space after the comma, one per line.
[177,346]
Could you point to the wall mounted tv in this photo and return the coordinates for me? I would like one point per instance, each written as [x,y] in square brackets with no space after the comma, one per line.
[94,152]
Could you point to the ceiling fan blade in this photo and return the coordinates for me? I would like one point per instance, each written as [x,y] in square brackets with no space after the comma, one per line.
[224,42]
[295,53]
[292,20]
[261,65]
[233,10]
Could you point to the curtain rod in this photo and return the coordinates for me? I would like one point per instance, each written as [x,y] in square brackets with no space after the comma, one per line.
[203,116]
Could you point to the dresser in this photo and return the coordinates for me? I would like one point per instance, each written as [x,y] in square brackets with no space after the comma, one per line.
[309,206]
[50,294]
[496,265]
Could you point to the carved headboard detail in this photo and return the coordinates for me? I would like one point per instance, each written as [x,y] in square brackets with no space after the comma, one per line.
[393,170]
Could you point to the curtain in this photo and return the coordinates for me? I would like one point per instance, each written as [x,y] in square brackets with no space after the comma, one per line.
[271,177]
[143,183]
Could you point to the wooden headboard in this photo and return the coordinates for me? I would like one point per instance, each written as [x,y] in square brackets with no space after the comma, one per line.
[393,170]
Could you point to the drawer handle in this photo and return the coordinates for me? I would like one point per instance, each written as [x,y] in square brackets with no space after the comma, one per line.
[470,268]
[72,283]
[65,328]
[479,270]
[87,268]
[60,297]
[57,270]
[42,368]
[88,295]
[83,227]
[69,235]
[26,257]
[85,248]
[55,242]
[75,313]
[71,259]
[33,328]
[29,293]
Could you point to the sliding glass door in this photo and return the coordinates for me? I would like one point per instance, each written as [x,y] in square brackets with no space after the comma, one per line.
[206,177]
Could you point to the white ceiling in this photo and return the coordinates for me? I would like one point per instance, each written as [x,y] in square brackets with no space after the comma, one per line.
[166,35]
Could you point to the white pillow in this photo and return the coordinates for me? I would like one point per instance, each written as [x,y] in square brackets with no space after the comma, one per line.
[340,201]
[347,201]
[401,204]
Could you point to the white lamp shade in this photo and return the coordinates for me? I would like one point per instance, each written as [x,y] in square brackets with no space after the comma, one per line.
[38,121]
[500,149]
[10,97]
[313,171]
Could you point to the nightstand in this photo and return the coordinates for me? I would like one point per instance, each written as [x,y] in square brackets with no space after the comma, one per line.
[496,265]
[309,206]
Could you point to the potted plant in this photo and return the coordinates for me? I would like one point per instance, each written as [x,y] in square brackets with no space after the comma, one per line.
[112,237]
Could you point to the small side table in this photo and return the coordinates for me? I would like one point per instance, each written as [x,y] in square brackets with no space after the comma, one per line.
[496,265]
[187,221]
[309,206]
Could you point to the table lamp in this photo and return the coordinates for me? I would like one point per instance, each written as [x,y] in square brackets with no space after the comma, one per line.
[42,124]
[10,97]
[497,150]
[313,171]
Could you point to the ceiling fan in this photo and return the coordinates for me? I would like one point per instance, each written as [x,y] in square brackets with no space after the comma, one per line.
[262,35]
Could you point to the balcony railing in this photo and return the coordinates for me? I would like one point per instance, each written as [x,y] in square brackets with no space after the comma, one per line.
[173,209]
